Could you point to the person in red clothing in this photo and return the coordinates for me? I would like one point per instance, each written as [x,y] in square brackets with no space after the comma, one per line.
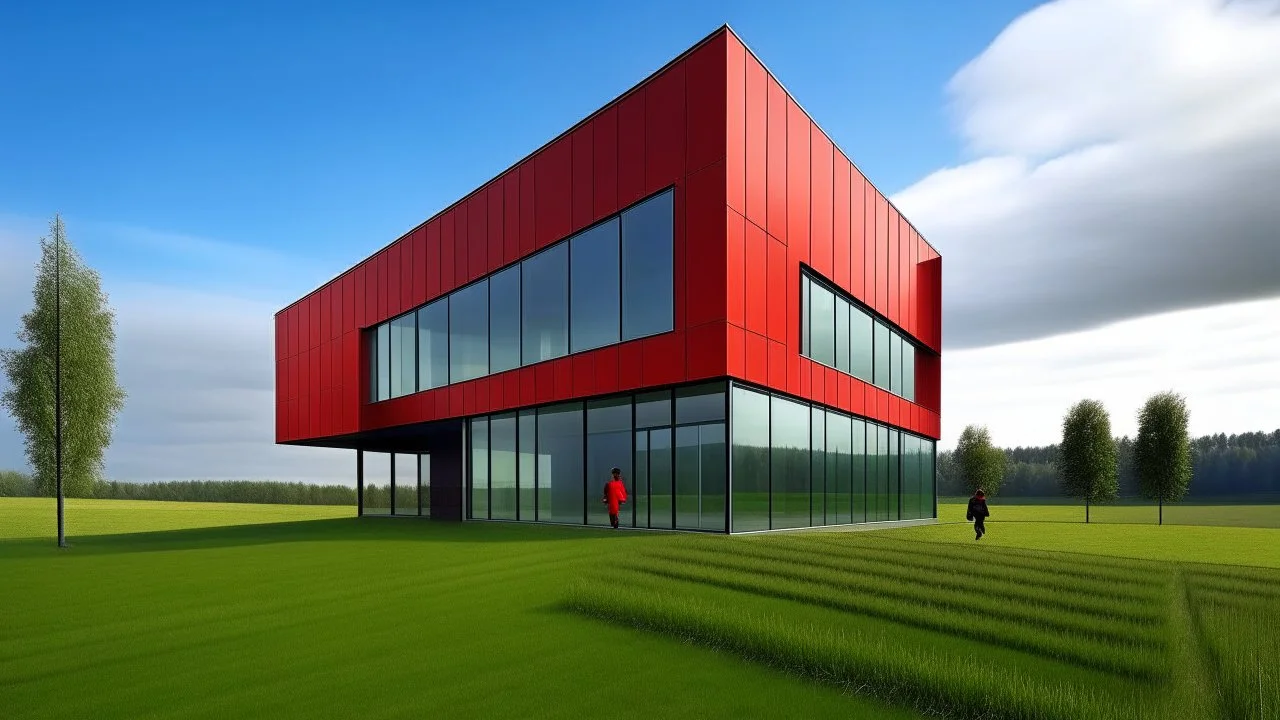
[615,493]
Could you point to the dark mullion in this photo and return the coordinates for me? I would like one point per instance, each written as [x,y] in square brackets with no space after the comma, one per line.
[728,458]
[392,460]
[359,483]
[419,469]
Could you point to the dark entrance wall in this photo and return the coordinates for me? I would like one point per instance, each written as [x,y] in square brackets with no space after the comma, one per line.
[443,441]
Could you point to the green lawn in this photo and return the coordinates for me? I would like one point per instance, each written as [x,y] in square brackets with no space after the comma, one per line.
[168,610]
[1230,513]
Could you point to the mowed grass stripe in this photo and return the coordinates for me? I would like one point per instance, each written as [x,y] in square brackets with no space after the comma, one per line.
[929,596]
[1127,661]
[931,684]
[1013,585]
[1142,585]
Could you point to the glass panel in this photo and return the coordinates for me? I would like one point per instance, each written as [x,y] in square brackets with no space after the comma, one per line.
[688,477]
[648,290]
[528,422]
[875,484]
[480,468]
[894,478]
[469,332]
[609,443]
[882,355]
[818,463]
[502,466]
[433,345]
[406,484]
[806,316]
[504,320]
[424,488]
[377,483]
[789,422]
[639,487]
[371,344]
[839,469]
[660,480]
[860,344]
[822,325]
[560,471]
[909,371]
[895,364]
[916,466]
[384,361]
[909,483]
[594,296]
[842,334]
[401,359]
[859,473]
[714,476]
[545,304]
[750,428]
[931,478]
[703,403]
[653,409]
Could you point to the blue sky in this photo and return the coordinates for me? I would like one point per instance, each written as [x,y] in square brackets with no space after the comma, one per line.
[325,131]
[215,161]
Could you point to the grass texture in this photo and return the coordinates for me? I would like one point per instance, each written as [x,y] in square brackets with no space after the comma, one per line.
[159,611]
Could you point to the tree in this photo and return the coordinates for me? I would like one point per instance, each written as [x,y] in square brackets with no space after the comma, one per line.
[68,339]
[1162,450]
[1087,463]
[979,463]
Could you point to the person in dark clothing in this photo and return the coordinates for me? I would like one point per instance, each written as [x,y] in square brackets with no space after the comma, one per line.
[978,513]
[615,493]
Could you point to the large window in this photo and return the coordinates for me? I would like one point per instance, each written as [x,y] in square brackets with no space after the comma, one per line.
[502,467]
[469,332]
[609,445]
[750,428]
[648,295]
[594,294]
[838,333]
[504,320]
[546,304]
[433,345]
[609,283]
[789,464]
[561,483]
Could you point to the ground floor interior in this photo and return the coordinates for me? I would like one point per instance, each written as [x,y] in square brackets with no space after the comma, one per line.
[713,457]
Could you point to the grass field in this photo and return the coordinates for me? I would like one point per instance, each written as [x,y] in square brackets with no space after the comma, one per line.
[1230,513]
[317,616]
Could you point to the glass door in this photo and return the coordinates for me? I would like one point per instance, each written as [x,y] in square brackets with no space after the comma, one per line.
[652,482]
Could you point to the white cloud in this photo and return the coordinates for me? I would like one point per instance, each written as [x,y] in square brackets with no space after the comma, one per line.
[1127,152]
[1223,359]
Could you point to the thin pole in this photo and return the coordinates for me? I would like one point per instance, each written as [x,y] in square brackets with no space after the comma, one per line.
[57,380]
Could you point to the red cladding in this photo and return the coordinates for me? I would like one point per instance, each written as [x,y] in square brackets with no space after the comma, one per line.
[760,190]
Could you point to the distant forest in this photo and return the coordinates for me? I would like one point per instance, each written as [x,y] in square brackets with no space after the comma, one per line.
[1244,464]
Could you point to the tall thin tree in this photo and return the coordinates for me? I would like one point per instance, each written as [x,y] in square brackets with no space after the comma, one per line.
[62,390]
[1087,457]
[1162,450]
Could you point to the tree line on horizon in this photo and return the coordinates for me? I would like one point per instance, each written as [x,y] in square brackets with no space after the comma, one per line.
[1161,463]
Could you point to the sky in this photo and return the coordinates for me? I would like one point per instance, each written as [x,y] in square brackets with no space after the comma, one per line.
[1098,175]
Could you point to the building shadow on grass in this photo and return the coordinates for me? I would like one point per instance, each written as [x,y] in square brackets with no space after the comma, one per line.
[302,531]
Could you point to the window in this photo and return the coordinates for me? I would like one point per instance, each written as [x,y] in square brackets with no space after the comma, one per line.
[818,464]
[839,469]
[860,344]
[648,285]
[405,482]
[702,403]
[504,320]
[594,295]
[859,481]
[545,304]
[609,283]
[789,422]
[502,467]
[882,355]
[527,479]
[433,345]
[480,468]
[469,333]
[700,476]
[377,483]
[842,335]
[750,448]
[822,325]
[909,371]
[806,312]
[895,364]
[560,471]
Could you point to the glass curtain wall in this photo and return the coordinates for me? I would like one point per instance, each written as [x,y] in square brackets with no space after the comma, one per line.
[377,483]
[802,465]
[550,464]
[405,484]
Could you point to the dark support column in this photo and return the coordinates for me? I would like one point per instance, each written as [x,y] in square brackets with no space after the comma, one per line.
[447,468]
[419,471]
[359,483]
[392,509]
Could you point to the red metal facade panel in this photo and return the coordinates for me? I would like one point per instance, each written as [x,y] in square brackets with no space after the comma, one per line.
[760,189]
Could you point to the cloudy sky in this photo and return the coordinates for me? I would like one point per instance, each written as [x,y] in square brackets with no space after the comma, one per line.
[1098,175]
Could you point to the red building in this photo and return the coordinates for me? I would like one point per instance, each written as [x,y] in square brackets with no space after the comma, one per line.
[693,284]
